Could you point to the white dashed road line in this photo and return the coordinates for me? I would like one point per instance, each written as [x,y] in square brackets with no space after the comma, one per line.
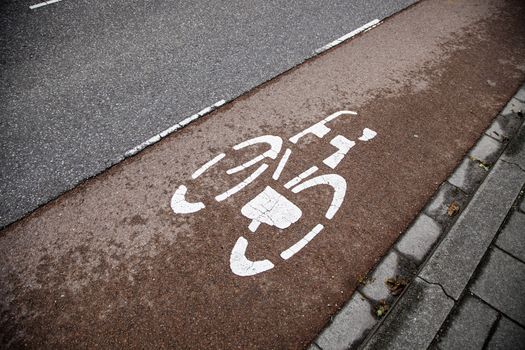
[35,6]
[350,35]
[156,138]
[207,110]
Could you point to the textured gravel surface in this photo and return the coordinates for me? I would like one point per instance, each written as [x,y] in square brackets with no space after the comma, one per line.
[84,81]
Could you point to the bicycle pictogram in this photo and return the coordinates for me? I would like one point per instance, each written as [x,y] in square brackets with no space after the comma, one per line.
[271,207]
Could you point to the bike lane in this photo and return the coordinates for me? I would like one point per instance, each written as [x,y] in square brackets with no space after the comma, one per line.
[179,246]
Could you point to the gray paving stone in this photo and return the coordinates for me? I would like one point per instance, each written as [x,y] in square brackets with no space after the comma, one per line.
[501,283]
[468,175]
[520,95]
[487,150]
[514,106]
[456,258]
[414,321]
[469,327]
[503,128]
[508,336]
[512,237]
[419,238]
[515,152]
[437,208]
[392,265]
[349,326]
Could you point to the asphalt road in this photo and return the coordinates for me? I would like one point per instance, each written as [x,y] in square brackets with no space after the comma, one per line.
[82,82]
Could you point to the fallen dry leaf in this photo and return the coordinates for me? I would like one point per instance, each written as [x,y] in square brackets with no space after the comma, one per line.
[453,209]
[364,280]
[396,285]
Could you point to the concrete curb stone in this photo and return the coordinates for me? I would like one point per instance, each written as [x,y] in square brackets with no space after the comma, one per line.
[449,266]
[446,205]
[514,106]
[468,175]
[392,265]
[504,127]
[348,326]
[427,299]
[313,346]
[520,95]
[415,320]
[487,150]
[419,238]
[515,152]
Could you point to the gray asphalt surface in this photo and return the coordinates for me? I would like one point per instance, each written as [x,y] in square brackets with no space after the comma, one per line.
[83,81]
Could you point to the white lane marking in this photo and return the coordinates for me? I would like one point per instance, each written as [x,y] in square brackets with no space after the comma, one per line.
[245,165]
[172,129]
[188,120]
[254,225]
[205,110]
[337,114]
[206,166]
[219,103]
[300,177]
[271,208]
[143,145]
[343,145]
[337,182]
[288,253]
[319,129]
[35,6]
[242,185]
[275,143]
[282,163]
[368,134]
[239,263]
[345,37]
[179,205]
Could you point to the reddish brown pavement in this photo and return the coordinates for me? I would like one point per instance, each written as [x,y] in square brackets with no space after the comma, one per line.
[110,264]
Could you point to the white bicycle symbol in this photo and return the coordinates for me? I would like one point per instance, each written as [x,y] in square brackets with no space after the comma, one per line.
[271,207]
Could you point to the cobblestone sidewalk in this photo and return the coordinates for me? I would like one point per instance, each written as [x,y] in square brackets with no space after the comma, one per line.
[456,278]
